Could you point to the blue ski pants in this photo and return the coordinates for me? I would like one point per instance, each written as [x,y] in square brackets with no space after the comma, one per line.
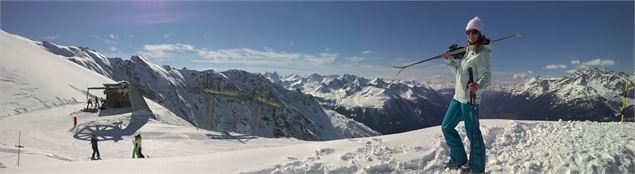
[456,112]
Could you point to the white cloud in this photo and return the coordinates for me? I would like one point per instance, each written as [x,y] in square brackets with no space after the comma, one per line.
[356,59]
[594,62]
[130,35]
[519,76]
[323,59]
[365,52]
[163,50]
[112,36]
[268,55]
[599,62]
[53,37]
[238,55]
[522,75]
[114,49]
[571,71]
[111,39]
[166,35]
[556,66]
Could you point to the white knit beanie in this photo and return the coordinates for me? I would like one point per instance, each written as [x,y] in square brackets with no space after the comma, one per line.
[475,23]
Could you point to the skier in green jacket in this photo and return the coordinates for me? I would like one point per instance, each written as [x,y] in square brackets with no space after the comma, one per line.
[477,57]
[136,152]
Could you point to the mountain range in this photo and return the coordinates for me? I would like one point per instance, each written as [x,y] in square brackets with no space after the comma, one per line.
[319,107]
[392,106]
[233,100]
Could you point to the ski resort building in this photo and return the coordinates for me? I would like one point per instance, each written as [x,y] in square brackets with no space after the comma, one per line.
[117,94]
[122,94]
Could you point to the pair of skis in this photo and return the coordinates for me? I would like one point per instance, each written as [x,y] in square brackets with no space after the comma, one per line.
[451,53]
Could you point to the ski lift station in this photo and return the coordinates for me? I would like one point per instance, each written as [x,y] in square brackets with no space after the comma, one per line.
[119,95]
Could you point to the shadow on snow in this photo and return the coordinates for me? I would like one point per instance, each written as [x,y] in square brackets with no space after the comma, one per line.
[114,131]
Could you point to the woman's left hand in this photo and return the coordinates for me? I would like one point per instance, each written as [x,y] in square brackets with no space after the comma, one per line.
[473,87]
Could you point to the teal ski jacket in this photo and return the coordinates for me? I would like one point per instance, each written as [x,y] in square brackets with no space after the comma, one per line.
[479,62]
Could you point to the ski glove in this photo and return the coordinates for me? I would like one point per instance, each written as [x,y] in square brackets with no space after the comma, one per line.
[455,47]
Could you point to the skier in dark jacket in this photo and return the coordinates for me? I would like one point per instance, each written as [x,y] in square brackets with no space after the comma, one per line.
[96,102]
[93,143]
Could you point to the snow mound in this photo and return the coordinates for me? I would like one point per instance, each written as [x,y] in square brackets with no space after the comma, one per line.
[348,128]
[512,147]
[564,147]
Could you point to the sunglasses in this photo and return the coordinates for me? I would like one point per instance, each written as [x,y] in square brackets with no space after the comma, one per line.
[472,31]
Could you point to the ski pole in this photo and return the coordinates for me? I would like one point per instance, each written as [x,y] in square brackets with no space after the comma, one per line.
[451,53]
[19,146]
[625,101]
[473,113]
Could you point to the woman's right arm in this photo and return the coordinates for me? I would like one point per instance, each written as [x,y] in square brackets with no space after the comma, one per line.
[451,63]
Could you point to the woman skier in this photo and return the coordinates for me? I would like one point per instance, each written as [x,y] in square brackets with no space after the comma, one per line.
[465,102]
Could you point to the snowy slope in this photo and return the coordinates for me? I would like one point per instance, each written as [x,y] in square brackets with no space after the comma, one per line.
[34,79]
[183,92]
[512,147]
[42,92]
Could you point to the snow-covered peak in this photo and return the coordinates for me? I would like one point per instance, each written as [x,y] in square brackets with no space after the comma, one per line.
[587,94]
[60,50]
[589,83]
[378,82]
[408,103]
[84,56]
[274,77]
[314,78]
[292,77]
[348,89]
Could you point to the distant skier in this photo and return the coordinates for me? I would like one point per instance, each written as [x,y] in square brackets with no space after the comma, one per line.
[476,57]
[136,152]
[103,104]
[96,102]
[93,143]
[90,103]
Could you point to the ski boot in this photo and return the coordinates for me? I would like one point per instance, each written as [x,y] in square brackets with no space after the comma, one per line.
[466,168]
[451,166]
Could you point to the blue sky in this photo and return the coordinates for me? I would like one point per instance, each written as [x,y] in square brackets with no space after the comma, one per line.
[363,38]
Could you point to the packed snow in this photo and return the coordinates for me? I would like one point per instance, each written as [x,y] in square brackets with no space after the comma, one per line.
[26,74]
[512,147]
